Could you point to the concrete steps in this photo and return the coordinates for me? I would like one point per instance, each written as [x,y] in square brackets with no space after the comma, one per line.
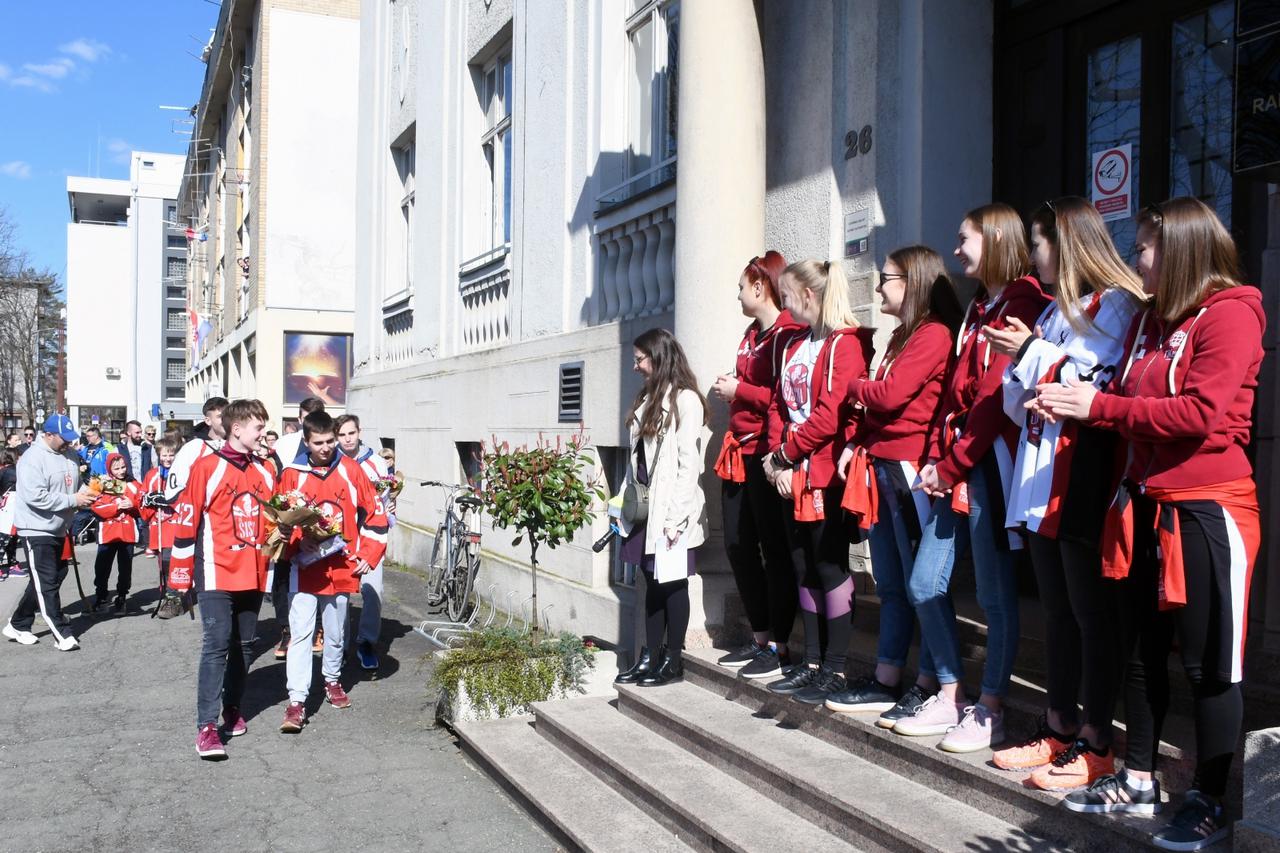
[582,813]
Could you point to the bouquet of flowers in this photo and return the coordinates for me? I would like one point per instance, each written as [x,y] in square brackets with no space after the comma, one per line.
[390,485]
[290,509]
[106,486]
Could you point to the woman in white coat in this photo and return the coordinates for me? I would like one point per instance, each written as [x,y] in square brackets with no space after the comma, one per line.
[668,429]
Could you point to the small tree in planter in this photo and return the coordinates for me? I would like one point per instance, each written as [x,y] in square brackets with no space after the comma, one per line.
[541,491]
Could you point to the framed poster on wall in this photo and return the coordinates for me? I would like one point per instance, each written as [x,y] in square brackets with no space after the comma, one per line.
[316,366]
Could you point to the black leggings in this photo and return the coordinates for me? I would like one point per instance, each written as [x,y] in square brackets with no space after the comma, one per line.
[756,544]
[666,613]
[1219,707]
[1081,610]
[122,554]
[820,558]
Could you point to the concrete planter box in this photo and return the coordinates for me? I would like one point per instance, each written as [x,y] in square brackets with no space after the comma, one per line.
[456,706]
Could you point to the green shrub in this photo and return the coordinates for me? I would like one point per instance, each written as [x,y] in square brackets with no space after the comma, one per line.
[504,672]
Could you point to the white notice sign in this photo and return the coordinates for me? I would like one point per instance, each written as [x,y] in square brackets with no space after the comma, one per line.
[857,231]
[1112,182]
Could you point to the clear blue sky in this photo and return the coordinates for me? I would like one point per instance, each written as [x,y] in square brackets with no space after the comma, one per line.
[80,82]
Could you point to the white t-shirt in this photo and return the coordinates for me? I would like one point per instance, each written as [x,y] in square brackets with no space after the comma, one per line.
[797,378]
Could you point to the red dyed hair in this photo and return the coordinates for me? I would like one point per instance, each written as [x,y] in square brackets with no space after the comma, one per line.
[767,269]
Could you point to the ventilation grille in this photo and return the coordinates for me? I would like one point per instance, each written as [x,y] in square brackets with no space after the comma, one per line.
[571,393]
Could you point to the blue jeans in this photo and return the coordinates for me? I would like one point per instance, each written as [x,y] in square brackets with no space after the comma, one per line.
[948,535]
[230,621]
[892,560]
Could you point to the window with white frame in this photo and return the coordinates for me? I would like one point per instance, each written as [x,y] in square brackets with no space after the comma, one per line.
[496,99]
[651,97]
[399,284]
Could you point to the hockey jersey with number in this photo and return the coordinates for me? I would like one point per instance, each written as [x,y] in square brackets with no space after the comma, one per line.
[343,492]
[220,518]
[159,519]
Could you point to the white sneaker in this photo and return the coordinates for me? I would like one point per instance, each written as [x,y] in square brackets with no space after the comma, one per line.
[26,638]
[67,644]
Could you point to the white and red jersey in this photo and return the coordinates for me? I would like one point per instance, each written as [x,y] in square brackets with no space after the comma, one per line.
[190,453]
[1065,472]
[119,515]
[159,519]
[343,492]
[219,523]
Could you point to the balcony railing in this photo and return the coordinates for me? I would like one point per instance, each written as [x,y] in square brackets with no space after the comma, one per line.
[636,275]
[486,304]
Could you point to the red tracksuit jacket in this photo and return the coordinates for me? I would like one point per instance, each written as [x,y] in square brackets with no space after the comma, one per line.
[759,363]
[832,421]
[1185,399]
[219,514]
[972,396]
[342,491]
[158,519]
[902,399]
[119,514]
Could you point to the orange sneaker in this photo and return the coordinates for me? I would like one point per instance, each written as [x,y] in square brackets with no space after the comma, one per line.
[1076,766]
[1036,751]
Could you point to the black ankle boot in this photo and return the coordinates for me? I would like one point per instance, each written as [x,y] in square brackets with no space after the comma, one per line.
[671,669]
[643,666]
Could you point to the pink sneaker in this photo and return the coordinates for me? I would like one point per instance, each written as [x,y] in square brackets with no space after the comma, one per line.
[336,696]
[209,744]
[935,717]
[232,723]
[980,729]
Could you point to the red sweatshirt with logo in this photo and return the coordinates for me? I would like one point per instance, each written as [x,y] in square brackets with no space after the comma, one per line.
[972,396]
[832,420]
[1185,399]
[901,400]
[759,363]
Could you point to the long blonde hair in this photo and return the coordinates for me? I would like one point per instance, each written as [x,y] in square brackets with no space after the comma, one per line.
[1086,256]
[827,281]
[1197,255]
[1004,243]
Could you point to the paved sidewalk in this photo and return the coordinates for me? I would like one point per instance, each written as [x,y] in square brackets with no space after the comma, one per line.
[97,747]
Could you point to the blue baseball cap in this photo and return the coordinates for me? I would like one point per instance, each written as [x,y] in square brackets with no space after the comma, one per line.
[61,425]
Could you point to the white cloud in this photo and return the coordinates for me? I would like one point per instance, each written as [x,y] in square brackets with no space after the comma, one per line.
[38,83]
[120,150]
[54,69]
[87,49]
[4,71]
[16,169]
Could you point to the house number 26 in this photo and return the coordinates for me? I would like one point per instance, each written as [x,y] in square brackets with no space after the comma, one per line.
[857,142]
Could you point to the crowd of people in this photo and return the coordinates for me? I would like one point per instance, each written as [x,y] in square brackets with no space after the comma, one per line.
[205,507]
[1095,415]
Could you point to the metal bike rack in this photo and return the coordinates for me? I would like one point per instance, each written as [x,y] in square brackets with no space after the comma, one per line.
[444,632]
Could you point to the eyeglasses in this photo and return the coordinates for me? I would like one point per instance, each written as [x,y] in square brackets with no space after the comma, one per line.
[638,360]
[885,277]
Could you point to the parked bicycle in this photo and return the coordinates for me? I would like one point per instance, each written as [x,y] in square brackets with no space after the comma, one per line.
[455,554]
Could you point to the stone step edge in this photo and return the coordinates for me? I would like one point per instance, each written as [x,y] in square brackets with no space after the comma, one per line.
[678,817]
[1003,797]
[482,743]
[804,797]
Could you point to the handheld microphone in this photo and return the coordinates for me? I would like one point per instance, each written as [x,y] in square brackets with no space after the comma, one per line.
[603,542]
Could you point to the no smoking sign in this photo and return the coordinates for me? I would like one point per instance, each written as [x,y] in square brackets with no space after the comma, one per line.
[1113,181]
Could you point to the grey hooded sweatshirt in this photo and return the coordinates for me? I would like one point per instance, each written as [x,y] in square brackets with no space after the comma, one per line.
[47,485]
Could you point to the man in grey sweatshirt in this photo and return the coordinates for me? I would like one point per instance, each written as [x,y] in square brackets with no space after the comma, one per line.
[47,498]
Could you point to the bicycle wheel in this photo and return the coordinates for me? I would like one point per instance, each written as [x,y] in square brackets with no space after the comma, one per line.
[436,569]
[458,595]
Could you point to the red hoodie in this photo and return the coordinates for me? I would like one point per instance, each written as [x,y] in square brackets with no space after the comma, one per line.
[759,362]
[119,513]
[972,397]
[1185,398]
[843,358]
[903,397]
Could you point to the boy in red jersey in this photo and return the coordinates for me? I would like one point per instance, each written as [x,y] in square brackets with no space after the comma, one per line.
[322,575]
[219,516]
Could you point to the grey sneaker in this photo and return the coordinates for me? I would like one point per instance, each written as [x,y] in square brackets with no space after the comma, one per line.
[1114,794]
[1197,824]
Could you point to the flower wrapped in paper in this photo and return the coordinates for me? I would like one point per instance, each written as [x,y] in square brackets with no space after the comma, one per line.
[106,486]
[390,485]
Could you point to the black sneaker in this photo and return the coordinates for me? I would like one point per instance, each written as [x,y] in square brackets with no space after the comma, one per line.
[120,605]
[864,694]
[1113,794]
[800,678]
[767,664]
[740,656]
[905,707]
[1197,824]
[828,681]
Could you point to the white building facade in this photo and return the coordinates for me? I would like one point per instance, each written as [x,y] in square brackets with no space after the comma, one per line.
[272,249]
[126,293]
[539,183]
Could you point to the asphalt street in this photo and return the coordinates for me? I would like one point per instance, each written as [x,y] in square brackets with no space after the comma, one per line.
[97,746]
